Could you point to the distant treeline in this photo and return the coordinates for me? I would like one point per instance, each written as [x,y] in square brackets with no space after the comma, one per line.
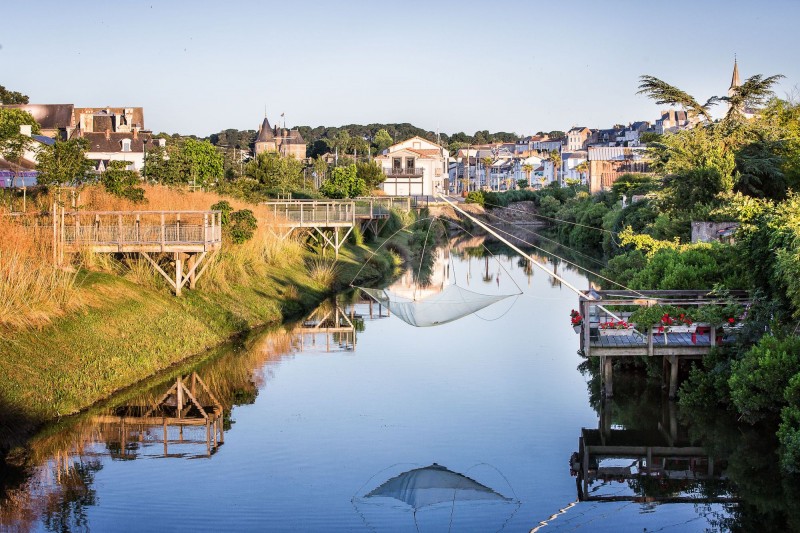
[360,137]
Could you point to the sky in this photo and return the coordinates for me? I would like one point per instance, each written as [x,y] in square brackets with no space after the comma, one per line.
[520,66]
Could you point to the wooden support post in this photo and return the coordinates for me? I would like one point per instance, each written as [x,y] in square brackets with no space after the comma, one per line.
[119,230]
[165,438]
[673,377]
[178,273]
[608,376]
[138,228]
[179,394]
[649,342]
[163,232]
[55,235]
[192,267]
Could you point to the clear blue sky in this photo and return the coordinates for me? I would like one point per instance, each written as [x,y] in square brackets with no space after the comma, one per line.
[523,66]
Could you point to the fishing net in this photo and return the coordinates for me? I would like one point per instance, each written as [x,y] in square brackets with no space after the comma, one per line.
[452,303]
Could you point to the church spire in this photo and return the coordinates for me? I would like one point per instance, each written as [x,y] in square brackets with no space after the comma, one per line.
[735,82]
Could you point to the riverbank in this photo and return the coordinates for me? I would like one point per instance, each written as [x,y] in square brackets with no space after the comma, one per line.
[125,332]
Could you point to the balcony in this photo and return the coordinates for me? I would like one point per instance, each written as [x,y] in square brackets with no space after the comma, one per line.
[404,172]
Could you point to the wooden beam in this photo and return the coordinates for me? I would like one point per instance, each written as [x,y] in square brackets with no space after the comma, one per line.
[159,269]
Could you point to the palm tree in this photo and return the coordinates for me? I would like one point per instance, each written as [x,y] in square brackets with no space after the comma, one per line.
[528,168]
[555,158]
[583,168]
[487,163]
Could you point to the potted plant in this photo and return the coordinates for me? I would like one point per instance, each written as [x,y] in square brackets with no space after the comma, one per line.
[577,320]
[615,327]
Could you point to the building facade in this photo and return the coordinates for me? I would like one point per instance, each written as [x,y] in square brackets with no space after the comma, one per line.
[288,143]
[415,167]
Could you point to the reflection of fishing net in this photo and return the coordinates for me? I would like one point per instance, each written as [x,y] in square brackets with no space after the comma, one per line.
[452,303]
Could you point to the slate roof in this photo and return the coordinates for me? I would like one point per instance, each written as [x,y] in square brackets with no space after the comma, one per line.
[49,116]
[265,132]
[99,143]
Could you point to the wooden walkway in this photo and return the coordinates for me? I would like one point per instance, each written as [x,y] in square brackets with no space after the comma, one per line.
[190,236]
[332,221]
[597,307]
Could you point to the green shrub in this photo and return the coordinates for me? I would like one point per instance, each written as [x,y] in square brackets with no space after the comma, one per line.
[476,197]
[760,379]
[243,226]
[225,209]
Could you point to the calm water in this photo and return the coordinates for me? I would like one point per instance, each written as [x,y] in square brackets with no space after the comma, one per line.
[313,426]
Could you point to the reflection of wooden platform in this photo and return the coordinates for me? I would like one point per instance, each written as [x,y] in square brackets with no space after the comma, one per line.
[670,468]
[179,407]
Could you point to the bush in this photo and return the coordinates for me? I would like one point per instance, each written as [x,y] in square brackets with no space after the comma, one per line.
[243,226]
[225,211]
[760,379]
[476,197]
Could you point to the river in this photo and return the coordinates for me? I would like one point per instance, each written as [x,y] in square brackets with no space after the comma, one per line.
[466,426]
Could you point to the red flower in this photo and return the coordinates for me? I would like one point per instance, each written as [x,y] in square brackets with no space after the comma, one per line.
[731,320]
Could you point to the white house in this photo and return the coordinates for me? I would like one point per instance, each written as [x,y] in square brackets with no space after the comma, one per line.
[414,167]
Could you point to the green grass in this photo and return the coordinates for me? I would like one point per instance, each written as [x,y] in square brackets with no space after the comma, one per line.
[128,332]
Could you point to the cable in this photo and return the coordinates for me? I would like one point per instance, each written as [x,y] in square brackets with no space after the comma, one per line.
[556,219]
[587,256]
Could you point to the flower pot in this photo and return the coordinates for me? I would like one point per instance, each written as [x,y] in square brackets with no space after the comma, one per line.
[576,328]
[612,332]
[681,329]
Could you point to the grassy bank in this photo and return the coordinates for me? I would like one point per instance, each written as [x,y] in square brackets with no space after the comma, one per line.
[121,324]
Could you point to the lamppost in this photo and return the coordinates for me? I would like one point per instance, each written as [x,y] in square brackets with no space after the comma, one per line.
[144,160]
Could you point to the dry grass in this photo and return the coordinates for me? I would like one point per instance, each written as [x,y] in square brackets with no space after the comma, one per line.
[323,271]
[32,290]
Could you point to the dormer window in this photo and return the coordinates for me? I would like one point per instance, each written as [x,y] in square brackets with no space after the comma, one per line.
[126,145]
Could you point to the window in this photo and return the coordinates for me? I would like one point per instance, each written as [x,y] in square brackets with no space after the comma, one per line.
[126,145]
[397,164]
[410,164]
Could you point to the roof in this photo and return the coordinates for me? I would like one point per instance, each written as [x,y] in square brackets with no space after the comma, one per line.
[292,137]
[735,82]
[49,116]
[49,141]
[137,114]
[99,143]
[578,129]
[265,132]
[616,153]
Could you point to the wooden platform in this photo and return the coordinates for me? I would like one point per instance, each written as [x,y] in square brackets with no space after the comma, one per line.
[685,344]
[331,221]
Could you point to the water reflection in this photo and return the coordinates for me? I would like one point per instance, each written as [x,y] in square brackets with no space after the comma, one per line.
[655,461]
[438,499]
[186,416]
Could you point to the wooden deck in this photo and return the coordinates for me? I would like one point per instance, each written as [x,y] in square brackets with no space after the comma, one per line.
[597,307]
[331,221]
[685,344]
[139,231]
[189,236]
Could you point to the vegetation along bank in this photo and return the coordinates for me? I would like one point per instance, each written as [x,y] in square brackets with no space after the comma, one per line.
[71,336]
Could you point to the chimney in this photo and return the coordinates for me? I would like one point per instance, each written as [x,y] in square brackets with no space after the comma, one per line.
[25,129]
[108,134]
[135,134]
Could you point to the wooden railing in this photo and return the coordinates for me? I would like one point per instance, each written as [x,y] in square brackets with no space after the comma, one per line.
[143,228]
[336,212]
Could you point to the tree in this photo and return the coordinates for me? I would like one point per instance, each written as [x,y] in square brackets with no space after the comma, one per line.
[344,183]
[583,168]
[12,97]
[528,169]
[382,140]
[371,174]
[752,94]
[555,159]
[487,165]
[203,163]
[664,93]
[12,142]
[121,182]
[274,171]
[64,162]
